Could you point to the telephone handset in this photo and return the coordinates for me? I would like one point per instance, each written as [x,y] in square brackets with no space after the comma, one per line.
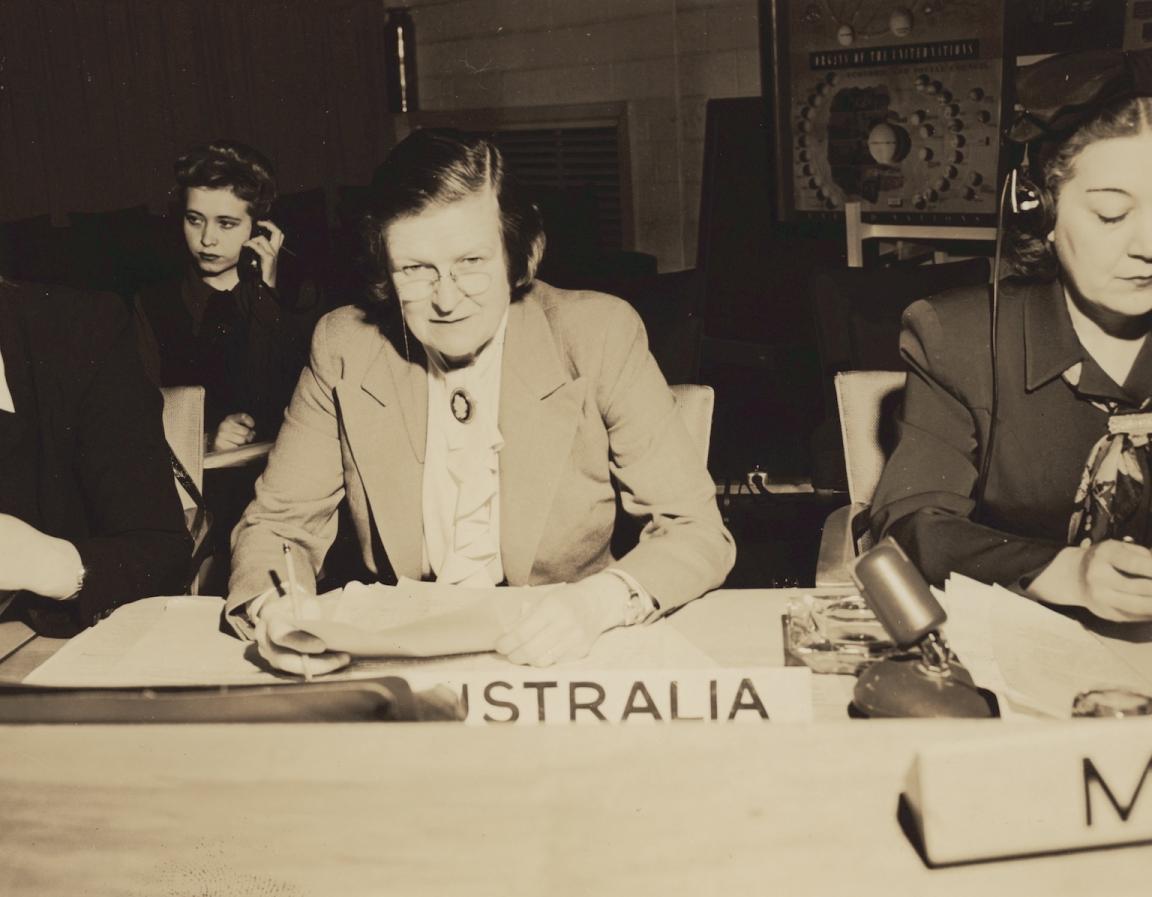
[249,265]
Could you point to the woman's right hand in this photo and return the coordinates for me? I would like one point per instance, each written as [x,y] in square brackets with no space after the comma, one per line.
[1112,579]
[277,617]
[1116,580]
[33,560]
[234,431]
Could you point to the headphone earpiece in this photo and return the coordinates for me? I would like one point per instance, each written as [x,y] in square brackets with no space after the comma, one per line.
[1023,195]
[1030,201]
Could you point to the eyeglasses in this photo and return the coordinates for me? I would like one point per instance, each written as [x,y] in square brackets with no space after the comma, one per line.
[415,283]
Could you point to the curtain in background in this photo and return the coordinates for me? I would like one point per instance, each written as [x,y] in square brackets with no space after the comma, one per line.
[98,97]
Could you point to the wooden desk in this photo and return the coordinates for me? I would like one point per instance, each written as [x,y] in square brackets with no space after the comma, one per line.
[441,809]
[25,659]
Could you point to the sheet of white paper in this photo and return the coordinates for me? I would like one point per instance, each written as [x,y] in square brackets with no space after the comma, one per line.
[86,658]
[157,641]
[1034,656]
[377,606]
[176,641]
[410,620]
[967,630]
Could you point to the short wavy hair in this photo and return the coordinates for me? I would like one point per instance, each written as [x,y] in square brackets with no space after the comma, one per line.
[228,164]
[1033,254]
[437,166]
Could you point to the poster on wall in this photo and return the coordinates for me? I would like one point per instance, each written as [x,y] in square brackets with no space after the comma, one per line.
[895,105]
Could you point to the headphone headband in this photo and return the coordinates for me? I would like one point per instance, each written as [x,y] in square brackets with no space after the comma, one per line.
[1057,95]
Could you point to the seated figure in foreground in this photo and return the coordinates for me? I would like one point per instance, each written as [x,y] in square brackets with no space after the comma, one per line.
[1035,475]
[483,426]
[89,514]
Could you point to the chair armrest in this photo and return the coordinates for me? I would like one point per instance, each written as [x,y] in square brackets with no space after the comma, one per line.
[837,548]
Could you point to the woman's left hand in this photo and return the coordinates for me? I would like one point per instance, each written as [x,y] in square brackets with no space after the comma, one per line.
[268,248]
[236,430]
[564,623]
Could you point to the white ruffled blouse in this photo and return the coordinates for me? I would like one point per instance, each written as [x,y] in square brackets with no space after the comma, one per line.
[462,468]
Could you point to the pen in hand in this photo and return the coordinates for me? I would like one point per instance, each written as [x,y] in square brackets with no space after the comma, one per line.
[294,591]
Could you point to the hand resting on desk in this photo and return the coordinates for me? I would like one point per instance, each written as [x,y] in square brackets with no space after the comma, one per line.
[1112,579]
[565,623]
[547,626]
[36,562]
[277,617]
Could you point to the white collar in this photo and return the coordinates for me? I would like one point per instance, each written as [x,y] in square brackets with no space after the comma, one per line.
[1115,356]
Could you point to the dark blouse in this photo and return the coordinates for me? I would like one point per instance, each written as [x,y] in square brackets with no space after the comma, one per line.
[235,343]
[1044,431]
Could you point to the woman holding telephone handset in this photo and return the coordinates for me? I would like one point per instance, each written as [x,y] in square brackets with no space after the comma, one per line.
[220,325]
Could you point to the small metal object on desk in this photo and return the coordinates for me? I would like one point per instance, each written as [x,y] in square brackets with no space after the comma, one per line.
[1112,702]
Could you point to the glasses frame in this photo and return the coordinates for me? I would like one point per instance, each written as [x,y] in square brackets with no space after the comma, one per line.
[423,289]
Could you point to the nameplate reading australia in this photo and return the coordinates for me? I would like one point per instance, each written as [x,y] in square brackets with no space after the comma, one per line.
[635,697]
[1086,784]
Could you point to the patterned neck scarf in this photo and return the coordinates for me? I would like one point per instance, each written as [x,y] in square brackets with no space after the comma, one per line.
[1114,497]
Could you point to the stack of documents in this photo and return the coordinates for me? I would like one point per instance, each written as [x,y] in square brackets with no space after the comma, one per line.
[1036,659]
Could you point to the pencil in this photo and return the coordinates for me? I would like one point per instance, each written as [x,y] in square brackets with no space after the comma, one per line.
[295,592]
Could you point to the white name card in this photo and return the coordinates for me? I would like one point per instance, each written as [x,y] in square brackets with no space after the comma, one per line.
[542,697]
[1088,784]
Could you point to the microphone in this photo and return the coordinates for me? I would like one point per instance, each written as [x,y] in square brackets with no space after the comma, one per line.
[927,680]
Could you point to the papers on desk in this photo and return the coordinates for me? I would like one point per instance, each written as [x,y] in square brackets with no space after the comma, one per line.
[641,673]
[1035,659]
[411,619]
[156,641]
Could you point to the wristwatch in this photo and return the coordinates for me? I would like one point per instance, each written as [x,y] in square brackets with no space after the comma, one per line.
[640,606]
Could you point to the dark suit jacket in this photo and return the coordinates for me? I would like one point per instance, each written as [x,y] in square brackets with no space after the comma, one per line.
[1044,430]
[102,476]
[587,420]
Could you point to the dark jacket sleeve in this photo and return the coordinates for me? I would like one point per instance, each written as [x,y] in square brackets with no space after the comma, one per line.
[116,499]
[926,495]
[138,544]
[147,345]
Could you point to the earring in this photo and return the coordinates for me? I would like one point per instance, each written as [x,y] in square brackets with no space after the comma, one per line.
[1051,236]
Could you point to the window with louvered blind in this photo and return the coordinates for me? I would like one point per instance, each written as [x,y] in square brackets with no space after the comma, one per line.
[578,153]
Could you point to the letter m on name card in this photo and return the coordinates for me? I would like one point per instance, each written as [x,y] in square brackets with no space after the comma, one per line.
[573,696]
[1038,790]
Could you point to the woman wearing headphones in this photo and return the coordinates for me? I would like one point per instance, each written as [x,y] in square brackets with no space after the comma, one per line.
[1024,454]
